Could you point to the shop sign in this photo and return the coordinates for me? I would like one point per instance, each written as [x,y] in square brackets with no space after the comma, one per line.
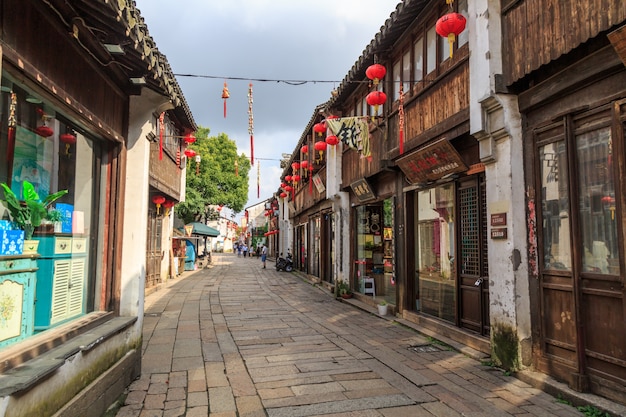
[317,180]
[432,162]
[499,233]
[362,190]
[498,219]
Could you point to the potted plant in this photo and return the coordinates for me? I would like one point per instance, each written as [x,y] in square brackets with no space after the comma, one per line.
[55,217]
[343,289]
[29,213]
[382,308]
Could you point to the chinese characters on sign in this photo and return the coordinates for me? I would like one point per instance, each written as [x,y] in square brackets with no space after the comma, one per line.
[432,162]
[362,190]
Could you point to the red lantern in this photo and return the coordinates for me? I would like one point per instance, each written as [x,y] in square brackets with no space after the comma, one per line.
[296,178]
[320,146]
[332,140]
[225,96]
[168,204]
[283,195]
[319,128]
[376,73]
[189,138]
[295,166]
[450,26]
[190,153]
[376,98]
[304,164]
[44,131]
[69,140]
[289,188]
[305,149]
[158,200]
[283,185]
[288,178]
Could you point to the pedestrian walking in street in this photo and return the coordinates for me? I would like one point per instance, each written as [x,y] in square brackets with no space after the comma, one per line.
[263,255]
[245,250]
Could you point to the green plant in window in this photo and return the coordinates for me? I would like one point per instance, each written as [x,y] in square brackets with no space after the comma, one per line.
[29,213]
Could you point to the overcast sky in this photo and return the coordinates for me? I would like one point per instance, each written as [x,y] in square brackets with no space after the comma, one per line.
[262,39]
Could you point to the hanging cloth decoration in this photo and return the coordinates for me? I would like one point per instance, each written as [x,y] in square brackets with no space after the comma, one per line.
[251,123]
[401,120]
[225,96]
[161,131]
[258,180]
[352,132]
[11,135]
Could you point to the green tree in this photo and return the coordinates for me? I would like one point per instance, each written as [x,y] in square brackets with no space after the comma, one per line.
[222,178]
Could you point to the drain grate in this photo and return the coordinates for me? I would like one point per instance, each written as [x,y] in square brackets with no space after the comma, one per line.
[424,348]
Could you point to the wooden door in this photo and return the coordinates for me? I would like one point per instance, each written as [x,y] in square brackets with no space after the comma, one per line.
[153,250]
[473,265]
[580,181]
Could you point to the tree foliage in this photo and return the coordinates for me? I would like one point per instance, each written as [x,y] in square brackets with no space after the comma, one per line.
[222,179]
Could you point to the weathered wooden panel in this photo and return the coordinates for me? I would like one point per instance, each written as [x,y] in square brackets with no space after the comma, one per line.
[536,32]
[441,107]
[165,174]
[56,54]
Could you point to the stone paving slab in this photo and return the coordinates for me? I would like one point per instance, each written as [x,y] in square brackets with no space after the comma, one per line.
[235,340]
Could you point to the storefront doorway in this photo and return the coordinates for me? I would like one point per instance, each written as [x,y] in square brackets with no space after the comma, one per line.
[450,252]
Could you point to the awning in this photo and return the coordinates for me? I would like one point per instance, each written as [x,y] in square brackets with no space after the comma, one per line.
[202,229]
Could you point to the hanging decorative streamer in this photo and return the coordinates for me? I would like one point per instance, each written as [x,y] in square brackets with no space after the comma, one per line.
[258,180]
[11,136]
[225,96]
[401,120]
[178,156]
[161,131]
[251,123]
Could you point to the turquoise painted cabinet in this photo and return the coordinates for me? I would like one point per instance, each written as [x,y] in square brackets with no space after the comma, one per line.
[60,294]
[18,277]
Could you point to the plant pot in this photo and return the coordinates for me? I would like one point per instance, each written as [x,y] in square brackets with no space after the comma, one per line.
[346,296]
[382,310]
[30,247]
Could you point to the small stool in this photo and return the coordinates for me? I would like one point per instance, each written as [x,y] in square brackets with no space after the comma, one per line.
[369,286]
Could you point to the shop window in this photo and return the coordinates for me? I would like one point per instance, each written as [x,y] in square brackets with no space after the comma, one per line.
[431,49]
[596,191]
[60,157]
[555,208]
[418,60]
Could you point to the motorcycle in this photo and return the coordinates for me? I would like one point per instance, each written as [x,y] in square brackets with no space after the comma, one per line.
[284,264]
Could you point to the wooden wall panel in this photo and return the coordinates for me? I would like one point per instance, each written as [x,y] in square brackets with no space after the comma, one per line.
[536,32]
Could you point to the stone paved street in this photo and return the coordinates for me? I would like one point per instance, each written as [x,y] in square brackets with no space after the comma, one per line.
[237,340]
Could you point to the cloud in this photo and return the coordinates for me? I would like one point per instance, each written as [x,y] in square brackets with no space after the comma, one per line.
[262,39]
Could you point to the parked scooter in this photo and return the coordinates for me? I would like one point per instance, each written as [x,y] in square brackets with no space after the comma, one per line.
[284,264]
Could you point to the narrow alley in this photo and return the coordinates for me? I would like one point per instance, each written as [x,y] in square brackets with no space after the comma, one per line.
[238,340]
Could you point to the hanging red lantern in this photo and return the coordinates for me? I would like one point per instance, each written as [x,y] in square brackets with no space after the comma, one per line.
[69,140]
[289,188]
[168,204]
[296,178]
[320,146]
[283,195]
[283,185]
[332,140]
[304,149]
[190,153]
[376,98]
[225,96]
[44,131]
[158,200]
[190,138]
[295,166]
[319,128]
[288,178]
[450,26]
[304,165]
[376,73]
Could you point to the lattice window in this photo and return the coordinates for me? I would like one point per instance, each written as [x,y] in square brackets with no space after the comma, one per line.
[470,236]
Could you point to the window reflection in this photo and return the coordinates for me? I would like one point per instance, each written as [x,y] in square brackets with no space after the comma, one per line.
[555,210]
[598,222]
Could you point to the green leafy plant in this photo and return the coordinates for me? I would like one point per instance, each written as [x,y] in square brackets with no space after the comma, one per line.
[29,213]
[382,303]
[55,215]
[342,287]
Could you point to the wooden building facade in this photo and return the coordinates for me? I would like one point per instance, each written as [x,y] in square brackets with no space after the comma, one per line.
[571,86]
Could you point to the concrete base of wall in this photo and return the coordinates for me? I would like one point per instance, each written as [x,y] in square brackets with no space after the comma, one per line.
[95,399]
